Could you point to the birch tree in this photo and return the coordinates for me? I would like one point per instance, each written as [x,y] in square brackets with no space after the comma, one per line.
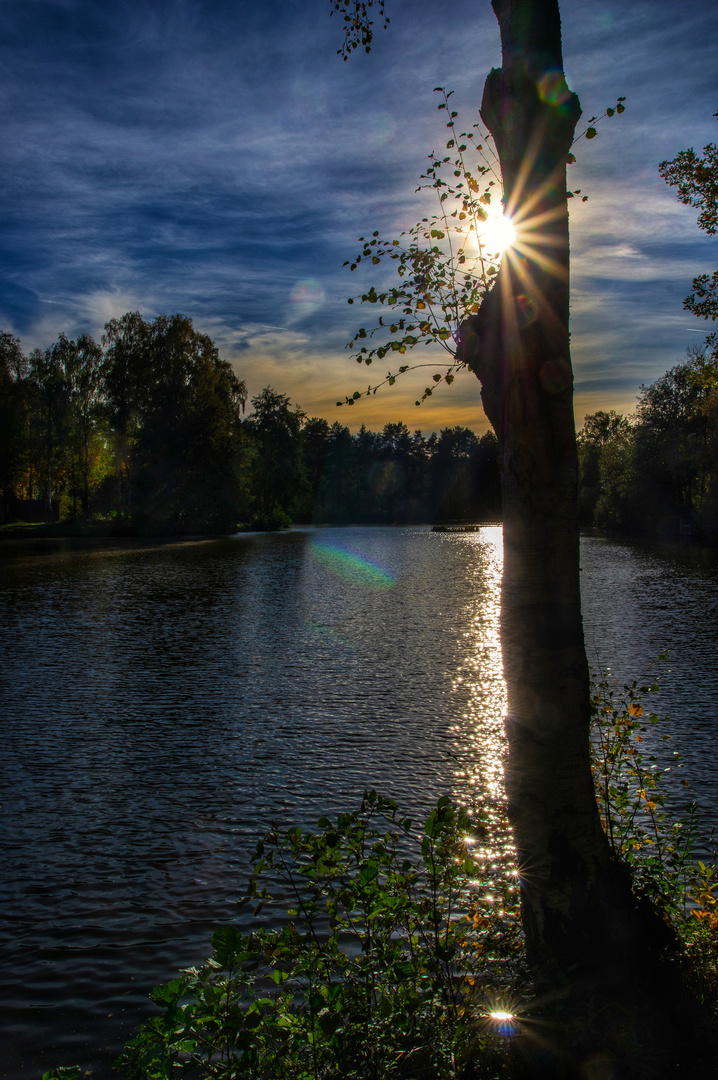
[592,944]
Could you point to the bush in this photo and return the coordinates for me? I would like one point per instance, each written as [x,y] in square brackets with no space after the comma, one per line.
[271,522]
[658,840]
[394,949]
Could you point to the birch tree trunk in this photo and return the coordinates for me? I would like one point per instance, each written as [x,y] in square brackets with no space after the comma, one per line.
[588,937]
[520,345]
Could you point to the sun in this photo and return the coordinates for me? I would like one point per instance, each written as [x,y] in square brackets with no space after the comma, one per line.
[497,233]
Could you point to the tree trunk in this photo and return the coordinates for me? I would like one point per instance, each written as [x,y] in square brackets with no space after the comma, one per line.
[48,474]
[118,473]
[86,474]
[585,931]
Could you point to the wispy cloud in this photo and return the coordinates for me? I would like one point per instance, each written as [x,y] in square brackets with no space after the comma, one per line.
[212,158]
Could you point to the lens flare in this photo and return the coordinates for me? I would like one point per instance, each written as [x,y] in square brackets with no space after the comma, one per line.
[552,88]
[336,637]
[306,297]
[352,567]
[506,1023]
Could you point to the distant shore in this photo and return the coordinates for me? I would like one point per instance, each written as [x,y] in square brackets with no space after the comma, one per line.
[93,530]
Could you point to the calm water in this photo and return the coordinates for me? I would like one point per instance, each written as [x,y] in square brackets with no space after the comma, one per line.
[162,704]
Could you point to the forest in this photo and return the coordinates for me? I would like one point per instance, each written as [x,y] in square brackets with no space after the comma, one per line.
[147,431]
[655,473]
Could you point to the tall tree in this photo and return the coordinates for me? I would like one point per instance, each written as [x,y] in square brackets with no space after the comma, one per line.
[13,420]
[124,373]
[518,346]
[342,495]
[188,444]
[465,484]
[315,439]
[279,479]
[51,399]
[80,361]
[672,457]
[599,431]
[588,939]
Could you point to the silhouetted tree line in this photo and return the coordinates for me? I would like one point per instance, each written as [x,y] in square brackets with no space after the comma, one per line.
[656,473]
[147,428]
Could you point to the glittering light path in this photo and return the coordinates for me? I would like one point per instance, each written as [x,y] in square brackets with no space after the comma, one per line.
[480,728]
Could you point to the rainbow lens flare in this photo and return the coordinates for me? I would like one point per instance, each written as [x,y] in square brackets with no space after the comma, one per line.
[352,567]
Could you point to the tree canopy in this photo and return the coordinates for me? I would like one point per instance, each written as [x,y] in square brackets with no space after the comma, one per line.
[696,181]
[146,430]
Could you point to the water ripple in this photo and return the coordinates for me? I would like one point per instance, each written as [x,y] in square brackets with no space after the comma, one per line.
[164,704]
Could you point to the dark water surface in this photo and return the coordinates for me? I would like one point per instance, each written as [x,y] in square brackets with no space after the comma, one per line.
[162,704]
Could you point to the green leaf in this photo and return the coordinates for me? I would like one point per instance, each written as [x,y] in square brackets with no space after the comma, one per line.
[167,993]
[369,872]
[591,133]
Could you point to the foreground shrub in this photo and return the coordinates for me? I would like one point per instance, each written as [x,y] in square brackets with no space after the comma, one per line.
[650,829]
[392,947]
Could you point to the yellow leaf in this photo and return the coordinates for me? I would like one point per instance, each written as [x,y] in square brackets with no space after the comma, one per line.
[635,710]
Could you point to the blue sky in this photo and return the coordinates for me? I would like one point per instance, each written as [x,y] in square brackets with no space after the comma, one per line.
[217,158]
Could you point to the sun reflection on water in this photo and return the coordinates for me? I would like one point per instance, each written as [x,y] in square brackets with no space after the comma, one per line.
[480,735]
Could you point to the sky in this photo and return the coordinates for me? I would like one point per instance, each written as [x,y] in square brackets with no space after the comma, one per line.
[219,159]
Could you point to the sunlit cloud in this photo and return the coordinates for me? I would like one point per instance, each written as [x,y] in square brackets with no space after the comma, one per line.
[100,307]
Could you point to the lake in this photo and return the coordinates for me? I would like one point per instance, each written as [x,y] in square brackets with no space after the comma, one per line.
[163,703]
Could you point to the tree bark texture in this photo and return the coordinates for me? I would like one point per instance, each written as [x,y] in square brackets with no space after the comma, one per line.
[582,922]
